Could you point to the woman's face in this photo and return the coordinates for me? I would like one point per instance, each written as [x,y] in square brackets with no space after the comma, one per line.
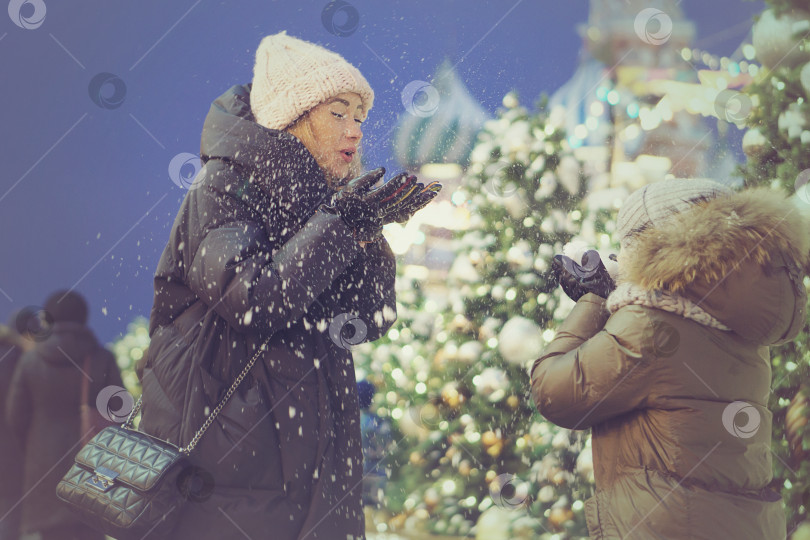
[336,129]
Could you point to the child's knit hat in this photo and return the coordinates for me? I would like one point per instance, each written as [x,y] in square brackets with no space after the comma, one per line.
[652,204]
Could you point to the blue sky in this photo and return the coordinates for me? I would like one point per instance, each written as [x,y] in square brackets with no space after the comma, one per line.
[86,200]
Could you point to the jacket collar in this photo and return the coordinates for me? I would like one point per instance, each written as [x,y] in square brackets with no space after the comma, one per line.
[230,133]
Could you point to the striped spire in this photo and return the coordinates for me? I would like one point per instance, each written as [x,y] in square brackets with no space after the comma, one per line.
[444,124]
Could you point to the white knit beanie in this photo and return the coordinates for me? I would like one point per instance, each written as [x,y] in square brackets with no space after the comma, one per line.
[652,204]
[291,76]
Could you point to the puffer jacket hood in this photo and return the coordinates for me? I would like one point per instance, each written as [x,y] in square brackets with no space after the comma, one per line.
[292,189]
[230,132]
[739,257]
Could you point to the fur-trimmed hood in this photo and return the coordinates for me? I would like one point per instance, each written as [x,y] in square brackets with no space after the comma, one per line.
[740,257]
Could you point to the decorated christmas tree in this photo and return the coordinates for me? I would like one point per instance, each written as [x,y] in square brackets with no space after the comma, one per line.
[778,148]
[128,350]
[473,451]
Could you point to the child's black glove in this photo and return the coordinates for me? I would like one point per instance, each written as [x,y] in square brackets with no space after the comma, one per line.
[578,279]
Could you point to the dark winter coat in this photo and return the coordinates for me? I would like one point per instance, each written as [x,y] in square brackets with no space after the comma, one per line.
[659,390]
[250,258]
[42,410]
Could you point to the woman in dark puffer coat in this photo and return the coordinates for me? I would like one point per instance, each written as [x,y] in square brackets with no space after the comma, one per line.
[672,371]
[256,257]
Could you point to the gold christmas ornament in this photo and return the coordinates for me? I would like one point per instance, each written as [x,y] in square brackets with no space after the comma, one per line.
[496,449]
[464,468]
[558,516]
[440,359]
[796,425]
[398,522]
[416,458]
[513,402]
[461,324]
[754,142]
[451,396]
[488,438]
[431,498]
[551,473]
[489,329]
[490,476]
[455,438]
[560,478]
[377,380]
[448,353]
[413,423]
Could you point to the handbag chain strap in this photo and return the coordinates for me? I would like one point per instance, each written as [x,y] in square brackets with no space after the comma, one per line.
[211,417]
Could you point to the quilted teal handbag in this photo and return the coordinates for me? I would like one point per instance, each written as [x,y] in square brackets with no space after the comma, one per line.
[129,484]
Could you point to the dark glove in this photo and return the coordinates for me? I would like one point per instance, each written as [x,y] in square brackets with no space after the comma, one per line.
[360,207]
[405,207]
[578,279]
[359,216]
[393,191]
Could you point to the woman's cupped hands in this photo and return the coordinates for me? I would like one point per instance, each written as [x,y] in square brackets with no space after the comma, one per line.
[365,208]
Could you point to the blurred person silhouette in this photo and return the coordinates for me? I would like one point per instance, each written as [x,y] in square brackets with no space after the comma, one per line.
[275,255]
[376,434]
[12,346]
[43,412]
[670,365]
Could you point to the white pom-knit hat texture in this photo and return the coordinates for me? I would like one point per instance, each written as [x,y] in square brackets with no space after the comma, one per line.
[291,76]
[652,204]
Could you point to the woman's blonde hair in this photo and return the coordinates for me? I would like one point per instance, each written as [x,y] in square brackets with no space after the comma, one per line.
[302,129]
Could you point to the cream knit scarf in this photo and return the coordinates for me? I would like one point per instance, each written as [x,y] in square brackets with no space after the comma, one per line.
[628,293]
